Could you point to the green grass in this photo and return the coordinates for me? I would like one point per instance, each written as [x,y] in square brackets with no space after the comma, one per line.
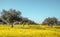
[29,31]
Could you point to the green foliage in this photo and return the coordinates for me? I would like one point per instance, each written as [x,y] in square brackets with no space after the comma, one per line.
[10,15]
[14,16]
[50,21]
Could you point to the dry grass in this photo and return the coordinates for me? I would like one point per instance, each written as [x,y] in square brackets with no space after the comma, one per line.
[29,31]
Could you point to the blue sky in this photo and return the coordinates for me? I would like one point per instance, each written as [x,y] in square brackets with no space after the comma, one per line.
[36,10]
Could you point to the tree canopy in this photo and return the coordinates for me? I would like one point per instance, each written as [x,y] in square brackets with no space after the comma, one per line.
[50,21]
[13,15]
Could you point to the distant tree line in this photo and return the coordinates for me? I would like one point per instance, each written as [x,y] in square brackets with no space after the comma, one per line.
[13,16]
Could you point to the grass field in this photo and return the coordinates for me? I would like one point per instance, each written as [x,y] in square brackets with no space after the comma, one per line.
[29,31]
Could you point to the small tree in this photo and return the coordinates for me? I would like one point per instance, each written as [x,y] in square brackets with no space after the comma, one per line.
[50,21]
